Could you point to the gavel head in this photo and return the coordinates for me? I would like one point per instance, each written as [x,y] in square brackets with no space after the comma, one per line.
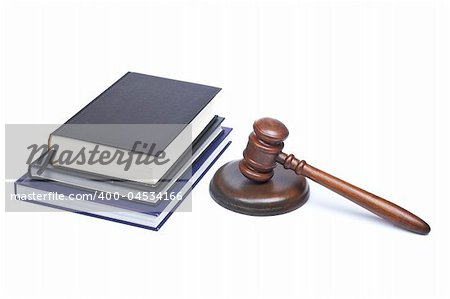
[264,145]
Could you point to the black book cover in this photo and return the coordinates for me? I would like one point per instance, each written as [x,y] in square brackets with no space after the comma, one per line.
[140,99]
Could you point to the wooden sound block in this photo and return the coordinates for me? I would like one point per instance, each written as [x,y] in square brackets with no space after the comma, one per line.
[285,192]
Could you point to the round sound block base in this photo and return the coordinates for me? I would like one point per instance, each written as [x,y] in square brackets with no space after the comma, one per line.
[285,192]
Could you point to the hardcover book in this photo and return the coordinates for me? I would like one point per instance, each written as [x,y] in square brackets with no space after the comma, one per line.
[136,111]
[124,211]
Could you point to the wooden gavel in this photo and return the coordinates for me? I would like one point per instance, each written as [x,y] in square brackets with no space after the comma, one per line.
[264,150]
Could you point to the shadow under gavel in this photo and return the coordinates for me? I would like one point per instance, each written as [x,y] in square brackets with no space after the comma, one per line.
[259,194]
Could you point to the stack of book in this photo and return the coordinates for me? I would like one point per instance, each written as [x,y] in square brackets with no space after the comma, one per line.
[132,155]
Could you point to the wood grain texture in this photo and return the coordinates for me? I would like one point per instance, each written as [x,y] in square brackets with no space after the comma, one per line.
[284,193]
[264,151]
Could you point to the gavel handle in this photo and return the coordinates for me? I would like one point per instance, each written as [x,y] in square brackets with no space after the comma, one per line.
[377,205]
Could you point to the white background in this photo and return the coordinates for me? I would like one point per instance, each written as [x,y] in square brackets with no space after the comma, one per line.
[363,87]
